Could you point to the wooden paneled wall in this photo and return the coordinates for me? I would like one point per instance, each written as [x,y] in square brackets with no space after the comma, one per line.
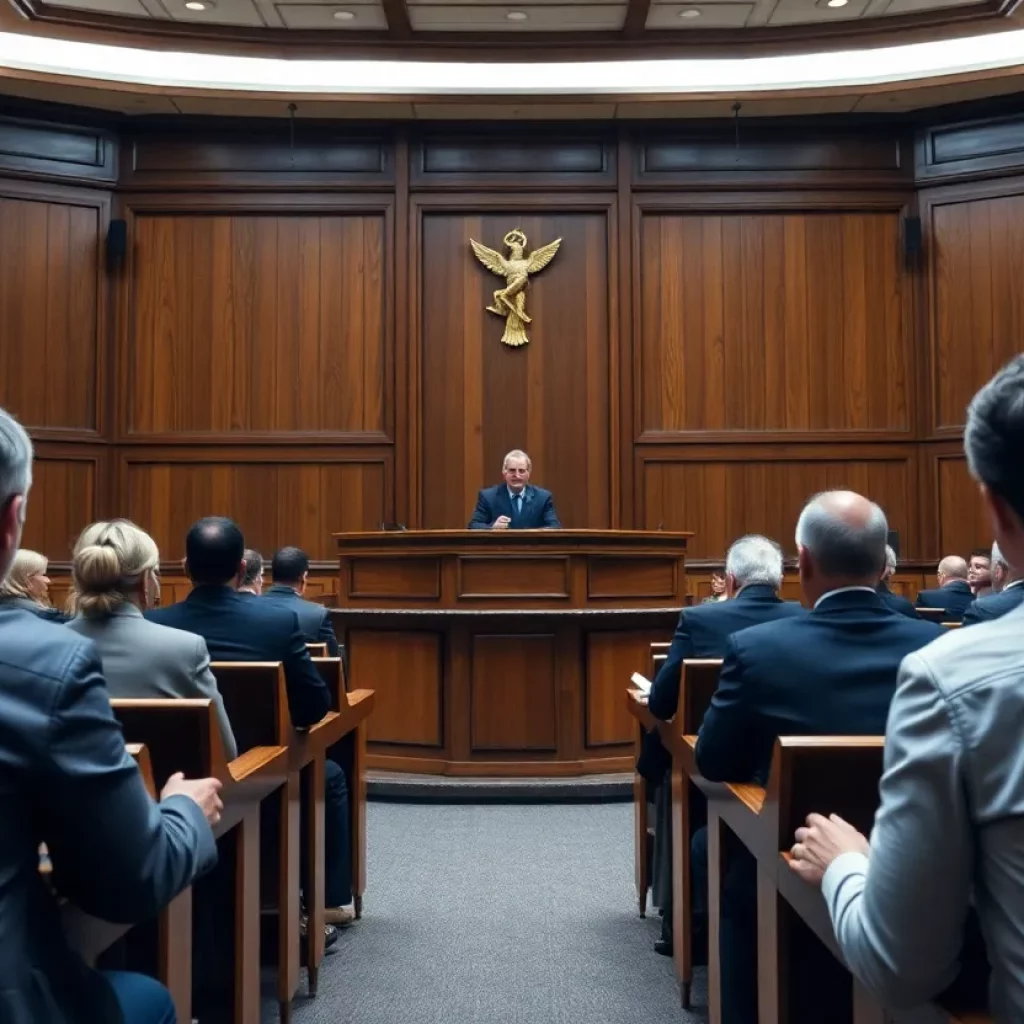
[297,334]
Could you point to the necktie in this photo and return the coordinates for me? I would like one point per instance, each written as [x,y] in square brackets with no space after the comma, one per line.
[519,505]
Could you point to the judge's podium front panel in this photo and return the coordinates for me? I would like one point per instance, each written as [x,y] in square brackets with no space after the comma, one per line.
[504,652]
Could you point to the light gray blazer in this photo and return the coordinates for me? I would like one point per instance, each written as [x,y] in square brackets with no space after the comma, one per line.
[144,659]
[950,828]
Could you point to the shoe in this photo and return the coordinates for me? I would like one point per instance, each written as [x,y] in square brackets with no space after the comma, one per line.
[342,917]
[330,932]
[663,946]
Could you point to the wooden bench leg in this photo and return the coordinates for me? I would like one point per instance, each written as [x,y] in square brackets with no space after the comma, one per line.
[288,898]
[313,823]
[357,817]
[247,919]
[641,868]
[716,872]
[772,955]
[682,911]
[175,952]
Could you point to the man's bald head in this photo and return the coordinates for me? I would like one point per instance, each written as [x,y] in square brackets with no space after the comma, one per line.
[951,568]
[841,536]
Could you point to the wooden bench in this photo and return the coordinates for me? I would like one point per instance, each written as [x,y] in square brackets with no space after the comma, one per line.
[697,685]
[931,614]
[351,755]
[184,735]
[256,702]
[317,650]
[828,774]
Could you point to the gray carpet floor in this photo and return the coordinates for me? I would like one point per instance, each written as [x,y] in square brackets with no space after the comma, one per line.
[495,914]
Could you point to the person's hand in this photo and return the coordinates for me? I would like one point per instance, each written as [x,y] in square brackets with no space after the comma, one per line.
[820,842]
[203,791]
[501,523]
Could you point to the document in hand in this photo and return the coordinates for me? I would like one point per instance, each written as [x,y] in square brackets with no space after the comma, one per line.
[642,683]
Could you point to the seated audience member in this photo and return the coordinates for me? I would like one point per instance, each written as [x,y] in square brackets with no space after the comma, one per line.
[830,672]
[979,572]
[1007,592]
[290,571]
[950,826]
[894,602]
[27,586]
[237,628]
[753,575]
[116,569]
[251,581]
[717,590]
[953,594]
[69,782]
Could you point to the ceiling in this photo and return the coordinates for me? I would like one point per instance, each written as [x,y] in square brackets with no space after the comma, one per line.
[515,27]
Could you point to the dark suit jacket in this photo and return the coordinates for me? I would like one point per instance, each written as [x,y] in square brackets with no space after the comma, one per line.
[994,606]
[831,672]
[953,598]
[538,509]
[237,627]
[314,619]
[702,632]
[66,780]
[896,602]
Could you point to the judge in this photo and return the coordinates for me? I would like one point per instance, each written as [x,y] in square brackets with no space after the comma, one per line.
[514,504]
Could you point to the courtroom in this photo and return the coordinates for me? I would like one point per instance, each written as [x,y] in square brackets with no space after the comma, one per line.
[511,512]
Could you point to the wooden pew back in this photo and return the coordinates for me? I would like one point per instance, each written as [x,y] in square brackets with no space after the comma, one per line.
[317,650]
[256,701]
[826,775]
[139,753]
[179,735]
[332,672]
[659,654]
[932,614]
[697,686]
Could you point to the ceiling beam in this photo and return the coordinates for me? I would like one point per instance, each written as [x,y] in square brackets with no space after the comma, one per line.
[397,15]
[636,18]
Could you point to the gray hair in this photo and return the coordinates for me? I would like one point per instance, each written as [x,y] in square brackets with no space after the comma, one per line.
[15,458]
[517,454]
[994,435]
[755,559]
[997,557]
[253,567]
[841,548]
[890,559]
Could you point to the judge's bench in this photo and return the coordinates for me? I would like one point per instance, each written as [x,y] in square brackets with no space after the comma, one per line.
[503,652]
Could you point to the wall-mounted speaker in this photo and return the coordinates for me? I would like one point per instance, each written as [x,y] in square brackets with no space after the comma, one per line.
[912,238]
[117,243]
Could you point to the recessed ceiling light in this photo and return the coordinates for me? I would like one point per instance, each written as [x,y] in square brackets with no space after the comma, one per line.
[198,5]
[690,12]
[517,16]
[838,3]
[344,16]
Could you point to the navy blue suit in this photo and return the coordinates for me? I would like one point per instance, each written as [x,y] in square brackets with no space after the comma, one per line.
[67,781]
[831,672]
[314,619]
[538,509]
[896,602]
[953,599]
[702,632]
[237,628]
[994,606]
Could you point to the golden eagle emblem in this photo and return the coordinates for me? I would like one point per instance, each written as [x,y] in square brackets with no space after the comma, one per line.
[510,301]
